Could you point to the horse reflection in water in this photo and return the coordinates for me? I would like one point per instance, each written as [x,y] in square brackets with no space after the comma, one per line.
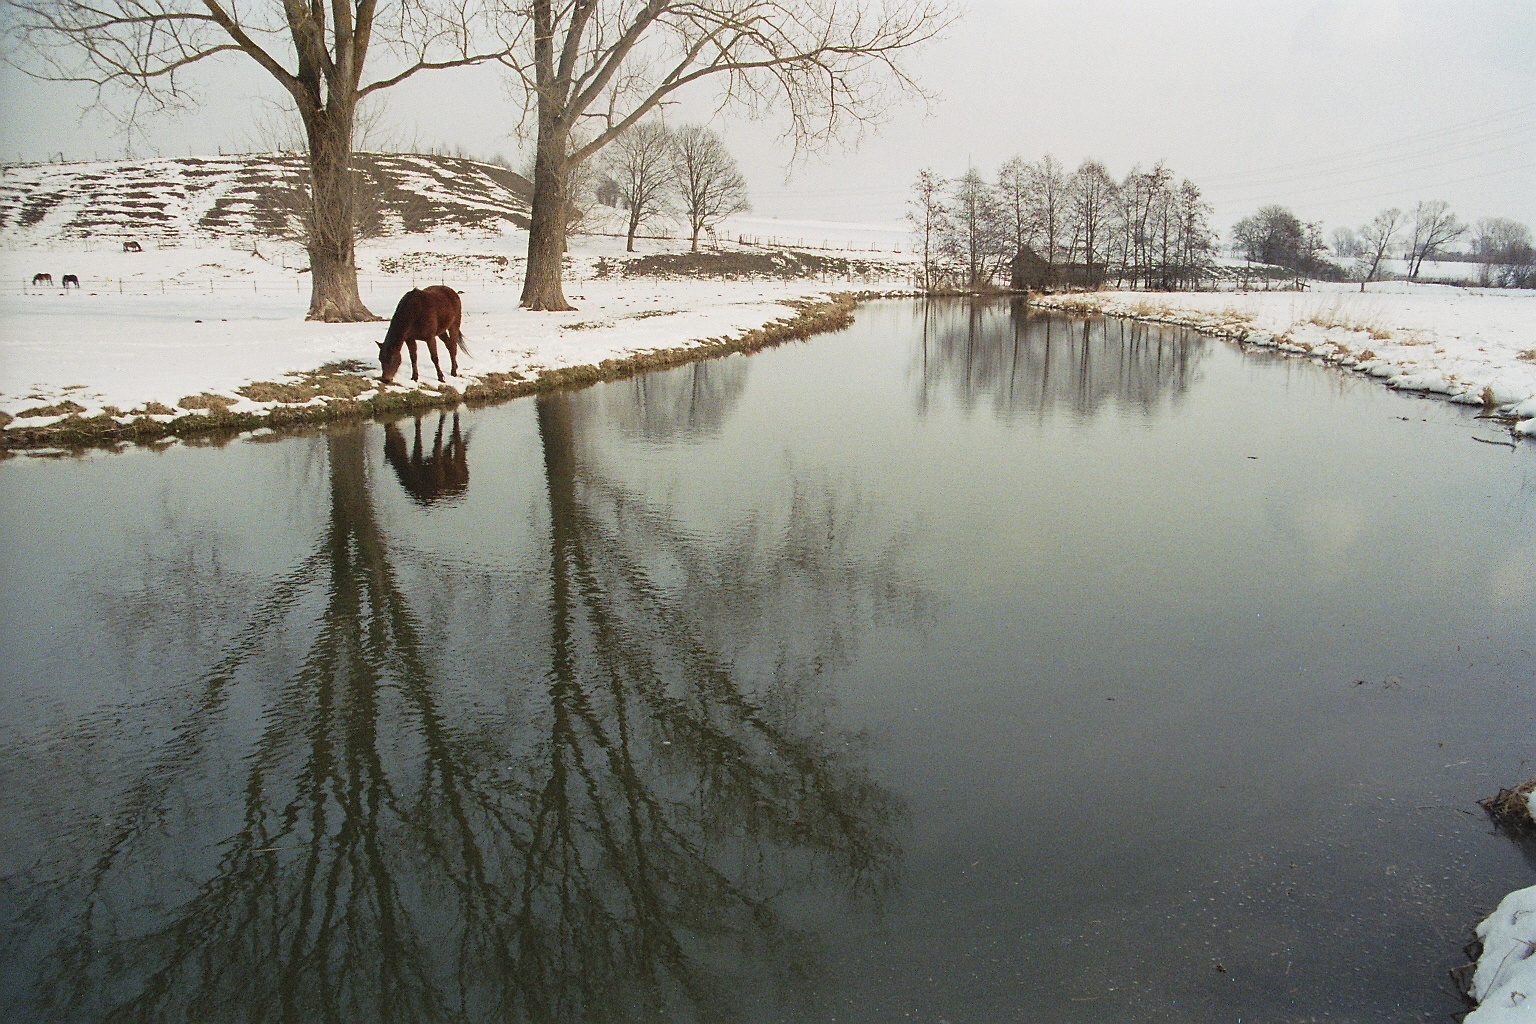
[432,476]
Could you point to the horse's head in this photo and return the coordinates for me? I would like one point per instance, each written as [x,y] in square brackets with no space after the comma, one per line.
[389,360]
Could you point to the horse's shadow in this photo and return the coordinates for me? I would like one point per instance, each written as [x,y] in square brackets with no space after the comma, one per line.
[429,476]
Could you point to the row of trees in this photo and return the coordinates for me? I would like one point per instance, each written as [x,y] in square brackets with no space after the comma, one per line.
[1276,236]
[588,71]
[655,171]
[1147,229]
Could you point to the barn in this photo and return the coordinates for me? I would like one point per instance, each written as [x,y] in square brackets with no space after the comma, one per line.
[1033,272]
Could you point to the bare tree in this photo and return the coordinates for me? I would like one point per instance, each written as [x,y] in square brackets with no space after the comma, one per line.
[1274,236]
[929,221]
[978,239]
[1188,258]
[1376,240]
[640,163]
[1346,243]
[1434,227]
[316,51]
[609,63]
[1048,203]
[1090,201]
[1143,196]
[1013,191]
[1503,248]
[709,185]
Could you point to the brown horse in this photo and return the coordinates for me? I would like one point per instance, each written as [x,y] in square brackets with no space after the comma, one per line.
[424,314]
[38,279]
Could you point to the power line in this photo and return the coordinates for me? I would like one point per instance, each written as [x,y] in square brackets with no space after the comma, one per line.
[1381,151]
[1398,174]
[1379,195]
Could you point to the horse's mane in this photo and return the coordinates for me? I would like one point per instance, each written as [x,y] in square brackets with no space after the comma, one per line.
[399,322]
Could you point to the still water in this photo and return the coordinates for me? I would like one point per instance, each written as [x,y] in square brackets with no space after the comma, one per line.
[963,666]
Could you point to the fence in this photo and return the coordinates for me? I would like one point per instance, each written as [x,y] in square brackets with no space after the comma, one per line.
[824,246]
[368,285]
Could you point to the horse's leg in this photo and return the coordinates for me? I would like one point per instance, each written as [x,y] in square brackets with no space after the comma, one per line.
[451,343]
[432,348]
[414,374]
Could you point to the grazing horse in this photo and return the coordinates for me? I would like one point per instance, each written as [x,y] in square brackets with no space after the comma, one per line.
[132,246]
[42,279]
[429,476]
[424,314]
[71,279]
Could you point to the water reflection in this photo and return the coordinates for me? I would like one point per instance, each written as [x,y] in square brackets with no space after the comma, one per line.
[691,401]
[328,833]
[1017,360]
[429,477]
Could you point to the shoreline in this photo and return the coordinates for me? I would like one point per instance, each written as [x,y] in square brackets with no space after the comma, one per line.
[345,391]
[1330,337]
[342,392]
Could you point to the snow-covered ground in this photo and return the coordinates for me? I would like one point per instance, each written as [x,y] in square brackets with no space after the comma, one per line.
[1472,345]
[1505,982]
[167,323]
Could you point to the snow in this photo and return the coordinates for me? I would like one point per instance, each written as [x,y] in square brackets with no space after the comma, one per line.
[1475,346]
[1505,982]
[166,323]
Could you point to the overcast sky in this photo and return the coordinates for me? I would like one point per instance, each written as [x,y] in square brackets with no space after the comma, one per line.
[1334,108]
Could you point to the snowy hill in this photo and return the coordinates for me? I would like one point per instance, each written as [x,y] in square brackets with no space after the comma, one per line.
[177,200]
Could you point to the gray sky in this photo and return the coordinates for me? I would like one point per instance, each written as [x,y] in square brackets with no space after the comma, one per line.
[1334,108]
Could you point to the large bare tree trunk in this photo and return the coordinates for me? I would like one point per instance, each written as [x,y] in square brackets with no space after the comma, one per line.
[542,285]
[331,242]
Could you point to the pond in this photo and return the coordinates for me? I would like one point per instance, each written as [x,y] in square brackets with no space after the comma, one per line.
[967,665]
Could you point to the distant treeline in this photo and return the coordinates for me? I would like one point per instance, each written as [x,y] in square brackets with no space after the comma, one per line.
[1500,247]
[1148,229]
[1151,230]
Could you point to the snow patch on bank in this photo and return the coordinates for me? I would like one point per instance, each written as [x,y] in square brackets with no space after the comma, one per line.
[1505,982]
[1474,346]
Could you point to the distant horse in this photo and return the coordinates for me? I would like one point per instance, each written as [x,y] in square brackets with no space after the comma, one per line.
[42,279]
[424,314]
[132,246]
[429,476]
[71,279]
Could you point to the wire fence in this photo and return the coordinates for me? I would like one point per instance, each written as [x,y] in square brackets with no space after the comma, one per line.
[824,245]
[215,286]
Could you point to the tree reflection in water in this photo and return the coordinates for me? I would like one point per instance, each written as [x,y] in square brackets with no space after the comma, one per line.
[1022,360]
[623,850]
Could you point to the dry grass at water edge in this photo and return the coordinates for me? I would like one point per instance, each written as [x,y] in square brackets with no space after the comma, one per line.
[1349,316]
[1510,809]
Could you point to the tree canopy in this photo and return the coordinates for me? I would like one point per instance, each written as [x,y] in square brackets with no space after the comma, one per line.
[591,69]
[322,54]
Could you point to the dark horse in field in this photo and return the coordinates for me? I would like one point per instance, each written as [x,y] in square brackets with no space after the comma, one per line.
[71,280]
[424,314]
[42,279]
